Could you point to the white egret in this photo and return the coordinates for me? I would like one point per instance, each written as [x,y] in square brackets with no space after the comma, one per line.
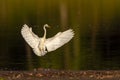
[42,45]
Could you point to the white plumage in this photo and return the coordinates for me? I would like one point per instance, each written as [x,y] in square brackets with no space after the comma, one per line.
[42,45]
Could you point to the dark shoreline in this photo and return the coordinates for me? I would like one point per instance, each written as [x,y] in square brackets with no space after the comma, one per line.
[52,74]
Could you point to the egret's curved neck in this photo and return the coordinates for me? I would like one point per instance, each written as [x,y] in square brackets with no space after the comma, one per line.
[44,32]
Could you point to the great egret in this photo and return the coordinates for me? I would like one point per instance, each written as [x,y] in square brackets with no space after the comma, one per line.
[42,45]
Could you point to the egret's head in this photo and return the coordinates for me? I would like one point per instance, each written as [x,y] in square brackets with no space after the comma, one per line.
[46,25]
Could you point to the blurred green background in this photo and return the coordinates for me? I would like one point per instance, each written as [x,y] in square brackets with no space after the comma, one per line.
[96,45]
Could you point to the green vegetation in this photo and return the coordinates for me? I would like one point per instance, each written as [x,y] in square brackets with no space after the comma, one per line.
[2,78]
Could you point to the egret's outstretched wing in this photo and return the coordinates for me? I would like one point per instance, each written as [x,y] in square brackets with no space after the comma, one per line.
[59,39]
[31,38]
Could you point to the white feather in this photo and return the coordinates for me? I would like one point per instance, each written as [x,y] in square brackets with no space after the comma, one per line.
[51,43]
[59,40]
[31,38]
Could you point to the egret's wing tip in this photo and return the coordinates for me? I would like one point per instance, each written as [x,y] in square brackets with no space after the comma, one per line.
[25,25]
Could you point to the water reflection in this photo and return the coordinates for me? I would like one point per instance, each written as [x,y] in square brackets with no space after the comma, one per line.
[96,44]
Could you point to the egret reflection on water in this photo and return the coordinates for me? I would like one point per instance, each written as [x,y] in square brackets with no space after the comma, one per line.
[42,45]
